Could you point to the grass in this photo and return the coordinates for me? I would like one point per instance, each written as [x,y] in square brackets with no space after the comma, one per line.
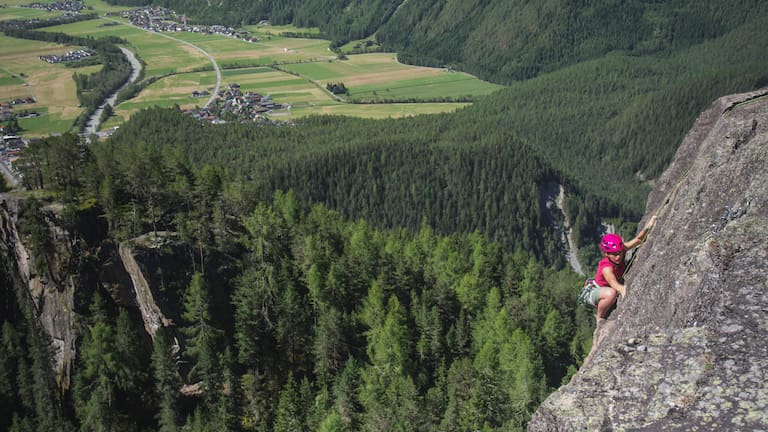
[22,13]
[24,74]
[9,80]
[267,29]
[305,67]
[231,52]
[361,46]
[167,92]
[162,54]
[379,111]
[101,7]
[379,76]
[283,88]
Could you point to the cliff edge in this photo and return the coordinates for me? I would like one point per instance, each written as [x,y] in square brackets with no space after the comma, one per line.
[686,351]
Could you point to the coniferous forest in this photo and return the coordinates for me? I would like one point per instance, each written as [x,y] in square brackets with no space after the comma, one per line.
[343,274]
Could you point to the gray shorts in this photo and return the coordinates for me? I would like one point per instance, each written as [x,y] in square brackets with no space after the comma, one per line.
[594,295]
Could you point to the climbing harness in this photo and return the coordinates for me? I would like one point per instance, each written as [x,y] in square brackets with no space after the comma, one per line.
[585,296]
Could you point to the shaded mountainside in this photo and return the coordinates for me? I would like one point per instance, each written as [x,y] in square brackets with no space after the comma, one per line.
[501,41]
[685,351]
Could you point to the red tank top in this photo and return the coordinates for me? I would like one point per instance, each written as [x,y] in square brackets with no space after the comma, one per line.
[618,271]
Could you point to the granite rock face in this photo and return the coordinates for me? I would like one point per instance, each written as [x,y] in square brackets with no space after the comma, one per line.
[687,350]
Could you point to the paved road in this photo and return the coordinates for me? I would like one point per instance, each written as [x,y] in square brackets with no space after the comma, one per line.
[95,121]
[204,52]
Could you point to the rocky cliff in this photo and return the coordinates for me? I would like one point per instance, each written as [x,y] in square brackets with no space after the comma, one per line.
[51,297]
[137,274]
[686,351]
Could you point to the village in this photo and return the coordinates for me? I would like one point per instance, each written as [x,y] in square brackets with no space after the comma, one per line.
[7,113]
[68,56]
[10,147]
[233,103]
[72,6]
[160,19]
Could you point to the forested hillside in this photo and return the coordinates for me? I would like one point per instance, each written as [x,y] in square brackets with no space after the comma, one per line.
[285,317]
[603,128]
[617,86]
[501,41]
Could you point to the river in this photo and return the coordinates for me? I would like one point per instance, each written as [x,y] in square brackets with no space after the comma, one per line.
[95,121]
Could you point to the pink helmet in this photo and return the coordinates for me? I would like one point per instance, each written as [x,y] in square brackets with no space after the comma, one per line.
[611,243]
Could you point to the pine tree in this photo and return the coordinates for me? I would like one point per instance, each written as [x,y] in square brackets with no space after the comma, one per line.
[290,415]
[167,381]
[388,394]
[201,340]
[96,380]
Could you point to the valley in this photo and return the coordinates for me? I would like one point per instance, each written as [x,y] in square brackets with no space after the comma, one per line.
[293,72]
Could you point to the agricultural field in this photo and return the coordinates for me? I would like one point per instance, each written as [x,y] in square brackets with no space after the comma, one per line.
[294,72]
[23,74]
[372,77]
[162,53]
[373,111]
[268,29]
[283,88]
[13,12]
[172,90]
[100,7]
[230,52]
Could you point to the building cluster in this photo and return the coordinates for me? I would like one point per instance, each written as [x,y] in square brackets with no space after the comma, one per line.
[165,20]
[68,56]
[70,10]
[6,108]
[232,102]
[72,6]
[10,144]
[200,93]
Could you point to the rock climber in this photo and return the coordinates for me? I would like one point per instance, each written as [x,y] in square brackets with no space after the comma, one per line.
[610,270]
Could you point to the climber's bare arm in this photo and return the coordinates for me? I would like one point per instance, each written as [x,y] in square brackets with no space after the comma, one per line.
[615,284]
[635,242]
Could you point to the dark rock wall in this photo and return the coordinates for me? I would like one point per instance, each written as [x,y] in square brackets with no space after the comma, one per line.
[686,350]
[51,296]
[126,273]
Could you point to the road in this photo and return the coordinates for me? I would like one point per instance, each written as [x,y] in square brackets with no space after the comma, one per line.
[95,121]
[213,62]
[204,52]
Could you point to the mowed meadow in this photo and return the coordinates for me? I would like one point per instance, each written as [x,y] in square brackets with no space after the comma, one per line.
[294,72]
[23,74]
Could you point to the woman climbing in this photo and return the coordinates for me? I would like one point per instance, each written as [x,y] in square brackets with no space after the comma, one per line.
[610,270]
